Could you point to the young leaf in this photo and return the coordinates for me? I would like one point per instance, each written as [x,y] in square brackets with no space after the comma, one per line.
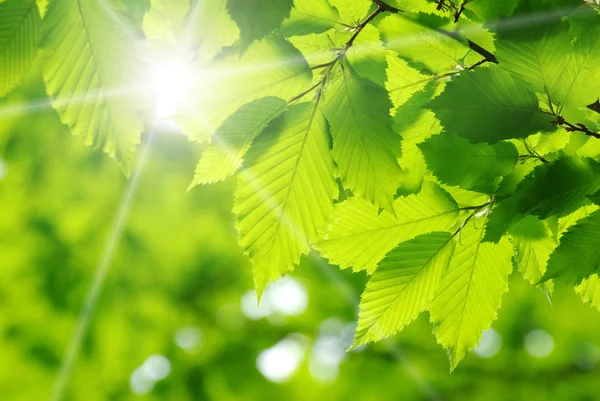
[491,9]
[91,69]
[488,105]
[557,189]
[317,48]
[403,81]
[365,147]
[578,255]
[165,19]
[359,236]
[257,18]
[534,55]
[471,291]
[211,28]
[231,142]
[352,11]
[478,167]
[367,55]
[309,17]
[269,67]
[545,59]
[589,290]
[19,35]
[415,124]
[533,244]
[285,192]
[422,45]
[403,285]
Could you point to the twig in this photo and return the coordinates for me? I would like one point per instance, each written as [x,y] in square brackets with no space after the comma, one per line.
[386,7]
[577,127]
[458,12]
[533,153]
[381,7]
[559,120]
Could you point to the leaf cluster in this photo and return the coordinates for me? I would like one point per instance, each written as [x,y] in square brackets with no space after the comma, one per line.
[436,145]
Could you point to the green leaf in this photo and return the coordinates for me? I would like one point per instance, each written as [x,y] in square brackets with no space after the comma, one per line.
[533,244]
[579,82]
[402,286]
[471,291]
[91,69]
[564,223]
[231,142]
[546,59]
[367,55]
[578,255]
[413,41]
[415,124]
[310,17]
[359,236]
[19,35]
[488,105]
[317,48]
[557,189]
[365,147]
[352,11]
[403,81]
[258,18]
[589,290]
[165,19]
[285,192]
[534,55]
[211,28]
[595,198]
[487,10]
[478,167]
[270,67]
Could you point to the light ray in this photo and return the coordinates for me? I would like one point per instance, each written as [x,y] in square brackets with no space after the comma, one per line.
[101,271]
[43,104]
[125,205]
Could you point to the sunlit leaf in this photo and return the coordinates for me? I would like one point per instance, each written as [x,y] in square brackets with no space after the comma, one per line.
[285,192]
[358,236]
[403,285]
[91,68]
[471,292]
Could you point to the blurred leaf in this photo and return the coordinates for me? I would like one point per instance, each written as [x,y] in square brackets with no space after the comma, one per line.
[19,35]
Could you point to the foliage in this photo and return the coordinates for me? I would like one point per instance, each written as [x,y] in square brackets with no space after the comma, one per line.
[435,146]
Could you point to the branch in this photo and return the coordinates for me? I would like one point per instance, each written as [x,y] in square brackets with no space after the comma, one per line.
[381,8]
[386,7]
[577,127]
[489,56]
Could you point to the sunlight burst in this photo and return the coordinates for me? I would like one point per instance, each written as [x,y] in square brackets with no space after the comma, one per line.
[169,82]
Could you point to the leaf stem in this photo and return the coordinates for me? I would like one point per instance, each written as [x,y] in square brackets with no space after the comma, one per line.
[381,7]
[476,209]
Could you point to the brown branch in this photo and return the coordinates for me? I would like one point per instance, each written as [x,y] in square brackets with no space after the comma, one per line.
[560,121]
[576,127]
[458,11]
[386,7]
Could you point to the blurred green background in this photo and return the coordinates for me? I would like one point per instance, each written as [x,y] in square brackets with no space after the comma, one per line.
[177,319]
